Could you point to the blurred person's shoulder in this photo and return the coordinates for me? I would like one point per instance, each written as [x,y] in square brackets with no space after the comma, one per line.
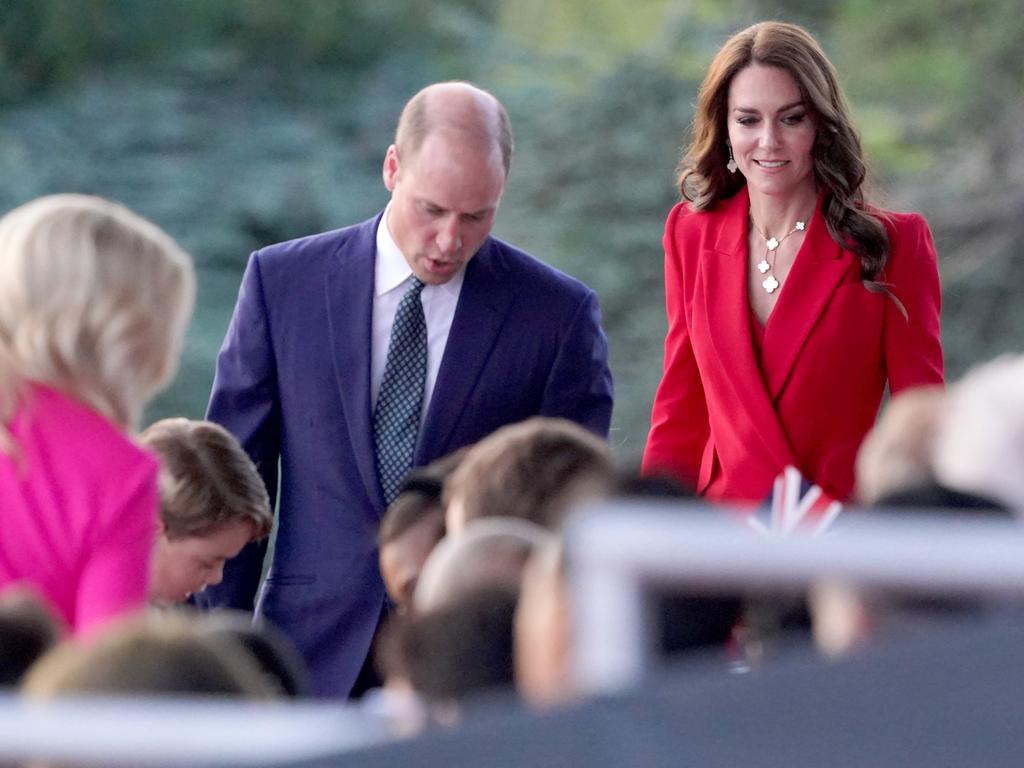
[54,429]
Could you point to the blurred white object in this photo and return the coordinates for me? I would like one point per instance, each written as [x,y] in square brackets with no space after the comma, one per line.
[980,443]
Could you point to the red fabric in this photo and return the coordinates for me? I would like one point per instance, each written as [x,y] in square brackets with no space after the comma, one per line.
[729,423]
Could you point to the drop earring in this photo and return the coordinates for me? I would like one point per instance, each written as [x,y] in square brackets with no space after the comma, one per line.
[731,165]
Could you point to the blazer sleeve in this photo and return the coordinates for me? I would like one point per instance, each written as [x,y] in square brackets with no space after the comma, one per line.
[245,401]
[679,419]
[115,574]
[579,386]
[912,345]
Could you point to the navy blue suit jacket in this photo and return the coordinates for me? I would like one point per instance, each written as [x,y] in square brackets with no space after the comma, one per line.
[293,384]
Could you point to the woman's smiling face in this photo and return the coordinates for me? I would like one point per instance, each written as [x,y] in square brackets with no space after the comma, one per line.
[771,130]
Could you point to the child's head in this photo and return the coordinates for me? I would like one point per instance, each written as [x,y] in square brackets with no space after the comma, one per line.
[94,301]
[149,654]
[538,470]
[412,525]
[212,503]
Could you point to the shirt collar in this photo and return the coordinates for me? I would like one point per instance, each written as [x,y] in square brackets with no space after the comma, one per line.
[391,269]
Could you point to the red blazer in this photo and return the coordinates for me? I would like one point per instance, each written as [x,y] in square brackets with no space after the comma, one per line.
[728,425]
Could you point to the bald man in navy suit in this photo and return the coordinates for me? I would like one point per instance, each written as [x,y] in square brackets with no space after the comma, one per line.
[306,357]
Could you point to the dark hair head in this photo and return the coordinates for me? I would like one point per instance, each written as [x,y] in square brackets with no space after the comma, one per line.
[419,497]
[276,657]
[932,497]
[839,167]
[27,631]
[459,650]
[163,654]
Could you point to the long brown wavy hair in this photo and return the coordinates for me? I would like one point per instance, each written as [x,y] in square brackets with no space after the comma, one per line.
[839,167]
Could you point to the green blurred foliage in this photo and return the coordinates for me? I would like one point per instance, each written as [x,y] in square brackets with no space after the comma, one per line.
[236,123]
[47,43]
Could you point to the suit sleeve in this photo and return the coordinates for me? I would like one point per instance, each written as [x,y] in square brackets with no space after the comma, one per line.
[579,387]
[679,418]
[245,402]
[913,349]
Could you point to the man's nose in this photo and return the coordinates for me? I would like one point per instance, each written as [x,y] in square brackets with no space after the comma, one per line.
[448,237]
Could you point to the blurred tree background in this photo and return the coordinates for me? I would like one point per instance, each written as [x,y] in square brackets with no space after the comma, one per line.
[236,123]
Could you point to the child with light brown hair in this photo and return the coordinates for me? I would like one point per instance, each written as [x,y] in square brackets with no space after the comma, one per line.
[538,470]
[212,503]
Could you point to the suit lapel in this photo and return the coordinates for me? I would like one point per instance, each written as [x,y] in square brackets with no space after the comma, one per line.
[350,317]
[729,317]
[483,303]
[817,271]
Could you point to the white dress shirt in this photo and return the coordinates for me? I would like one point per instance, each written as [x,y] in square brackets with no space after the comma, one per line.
[390,281]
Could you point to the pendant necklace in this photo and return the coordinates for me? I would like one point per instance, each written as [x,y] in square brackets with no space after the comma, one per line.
[770,283]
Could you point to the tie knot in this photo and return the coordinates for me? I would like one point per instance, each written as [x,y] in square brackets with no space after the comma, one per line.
[415,285]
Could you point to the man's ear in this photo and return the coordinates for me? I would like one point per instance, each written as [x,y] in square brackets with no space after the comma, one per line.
[390,171]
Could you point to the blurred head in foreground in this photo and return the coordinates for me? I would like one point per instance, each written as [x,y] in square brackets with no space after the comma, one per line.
[278,660]
[896,454]
[157,654]
[27,630]
[491,552]
[412,526]
[537,470]
[980,443]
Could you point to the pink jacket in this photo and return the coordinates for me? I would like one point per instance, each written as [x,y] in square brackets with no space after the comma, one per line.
[78,510]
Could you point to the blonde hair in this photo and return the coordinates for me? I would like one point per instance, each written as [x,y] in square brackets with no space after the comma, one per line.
[94,301]
[206,479]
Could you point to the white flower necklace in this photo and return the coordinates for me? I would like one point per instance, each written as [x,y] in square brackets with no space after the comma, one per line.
[770,283]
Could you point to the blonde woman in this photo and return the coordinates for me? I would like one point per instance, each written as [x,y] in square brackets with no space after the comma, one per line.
[94,301]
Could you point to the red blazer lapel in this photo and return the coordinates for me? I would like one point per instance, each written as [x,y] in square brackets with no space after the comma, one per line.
[727,310]
[818,270]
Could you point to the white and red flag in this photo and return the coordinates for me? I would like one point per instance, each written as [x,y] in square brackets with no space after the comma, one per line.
[795,506]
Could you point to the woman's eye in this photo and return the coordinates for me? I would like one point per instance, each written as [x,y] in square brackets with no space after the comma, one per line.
[746,120]
[794,119]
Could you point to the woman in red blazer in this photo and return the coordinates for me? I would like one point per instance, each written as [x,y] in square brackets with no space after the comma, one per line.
[791,302]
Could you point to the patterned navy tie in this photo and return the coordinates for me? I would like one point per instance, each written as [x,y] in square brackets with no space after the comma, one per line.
[396,419]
